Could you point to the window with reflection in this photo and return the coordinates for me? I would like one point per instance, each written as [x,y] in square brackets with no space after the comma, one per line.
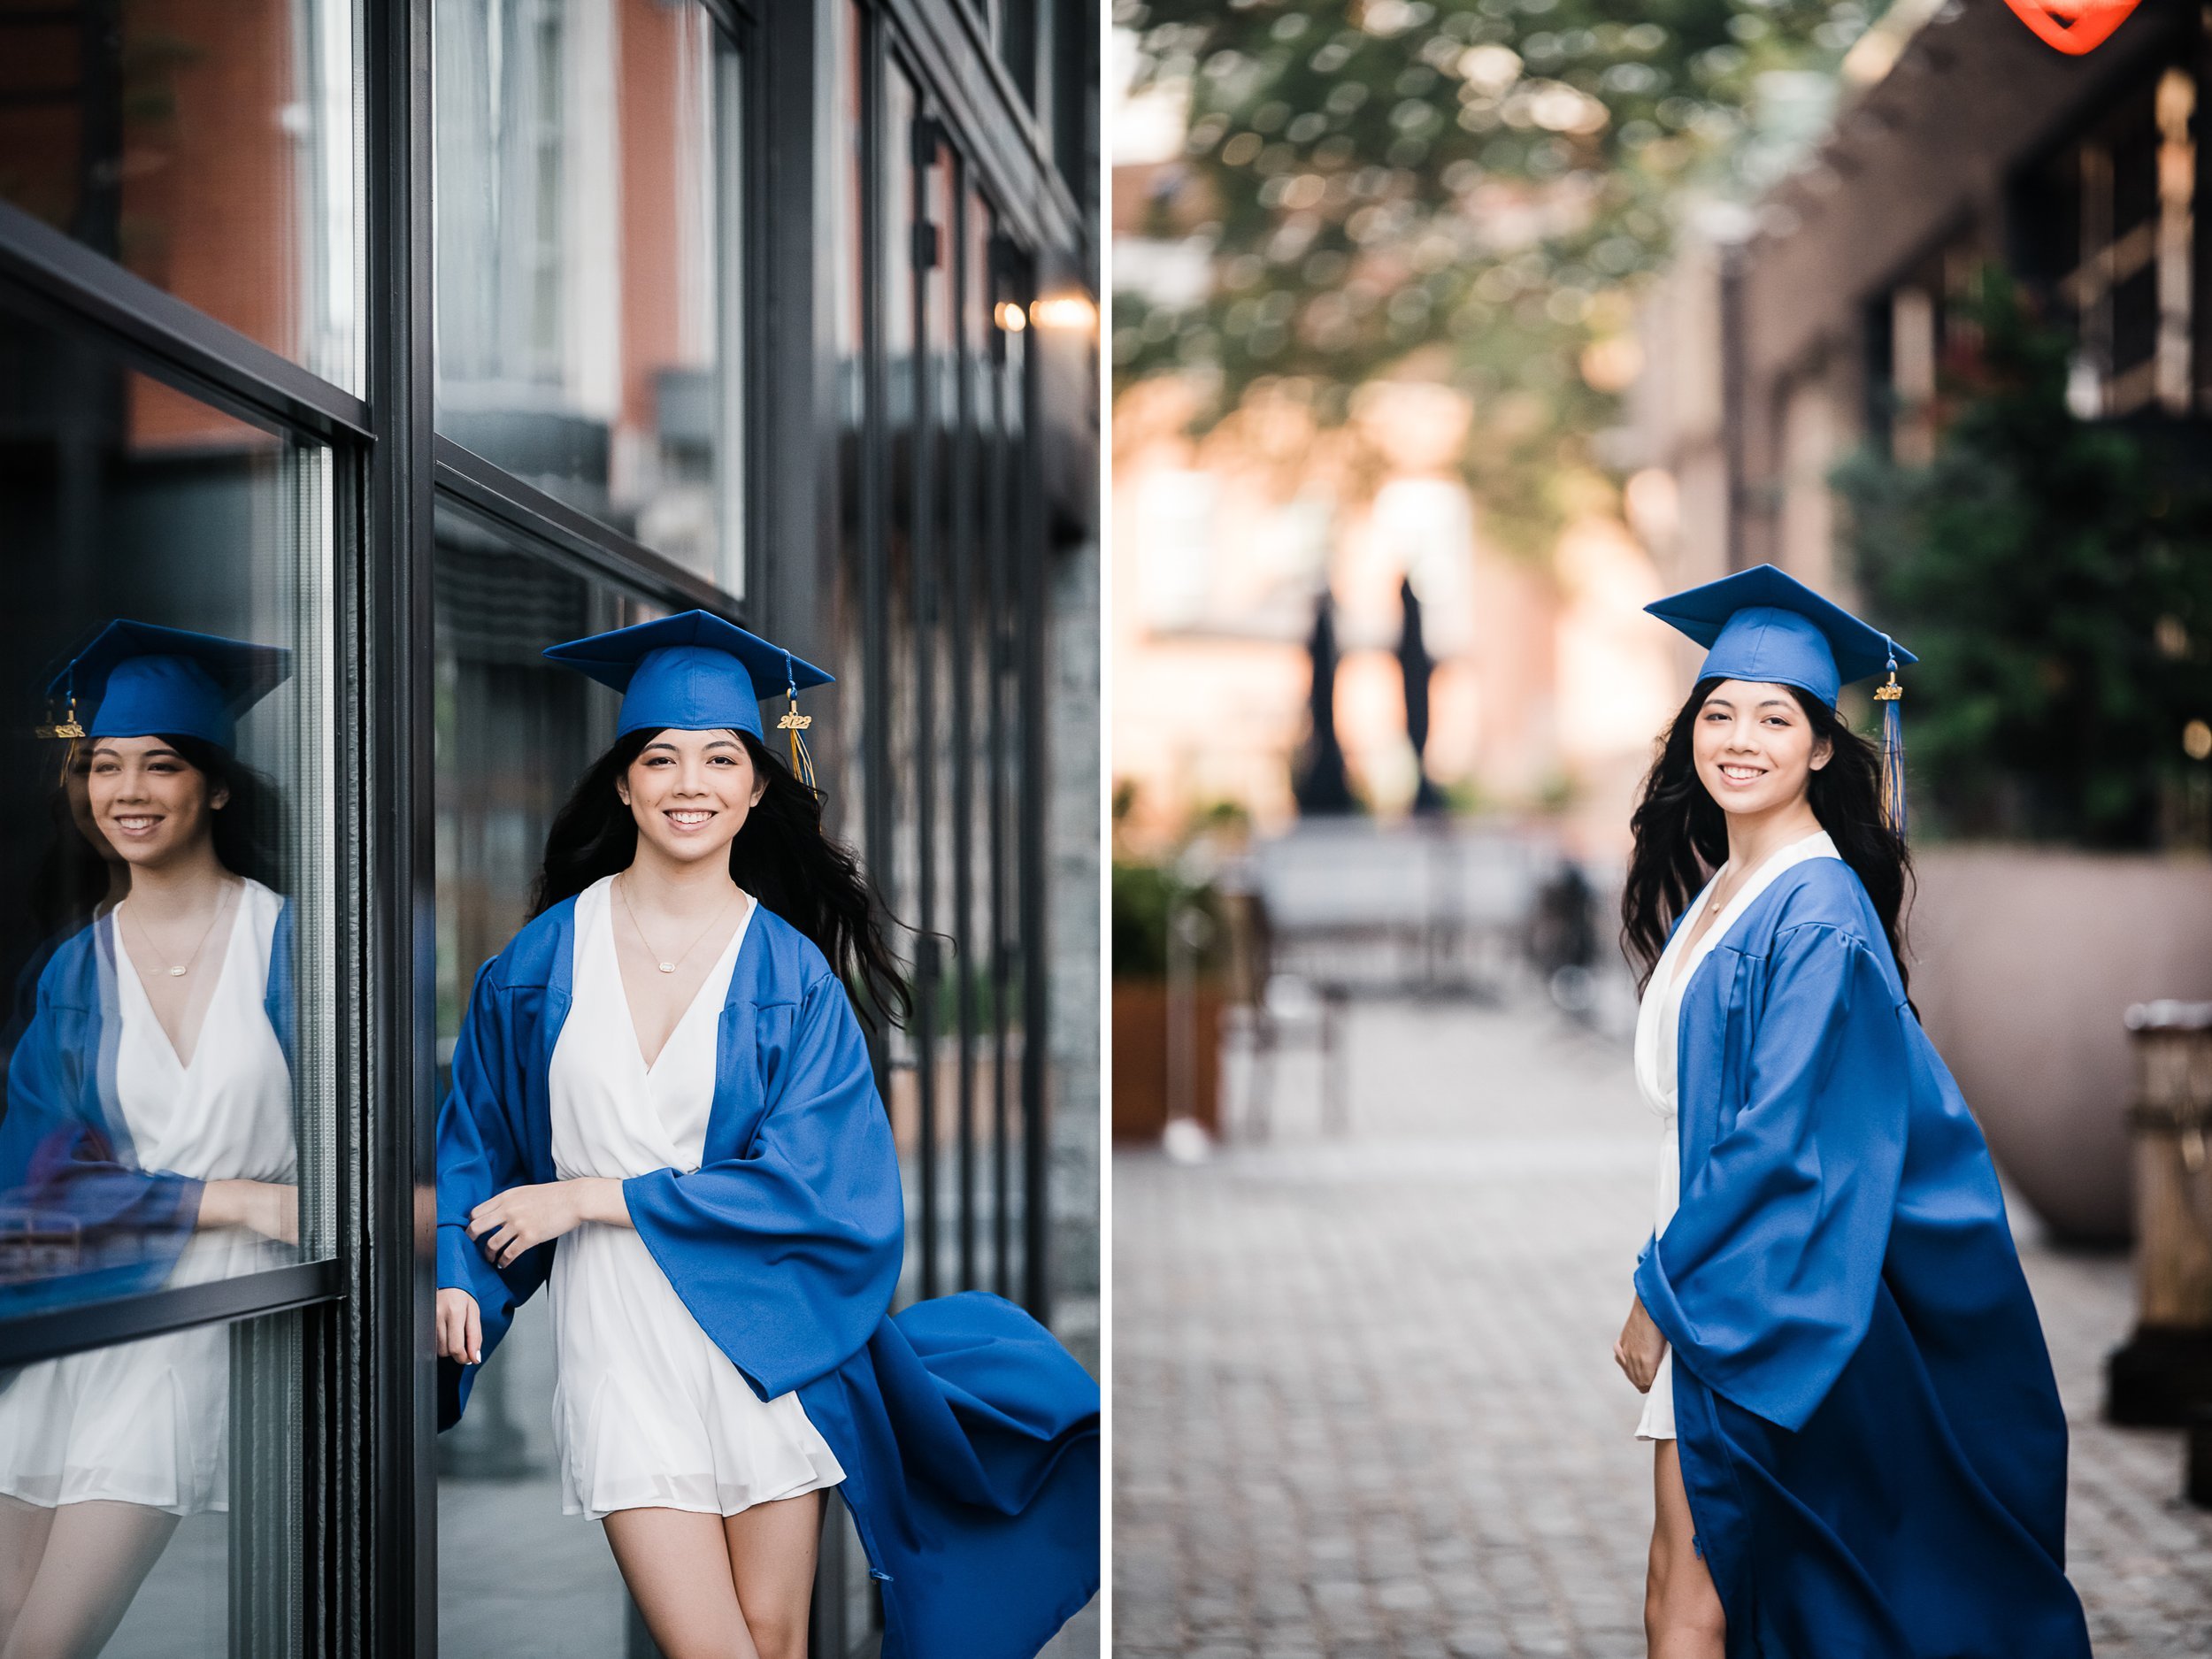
[167,915]
[208,146]
[849,263]
[184,1541]
[1004,378]
[167,948]
[589,177]
[949,716]
[513,733]
[979,490]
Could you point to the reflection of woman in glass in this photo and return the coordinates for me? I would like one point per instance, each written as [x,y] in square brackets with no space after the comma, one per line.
[664,1073]
[150,1105]
[1859,1447]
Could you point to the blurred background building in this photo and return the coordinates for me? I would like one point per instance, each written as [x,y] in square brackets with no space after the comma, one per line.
[1526,316]
[1955,365]
[1509,316]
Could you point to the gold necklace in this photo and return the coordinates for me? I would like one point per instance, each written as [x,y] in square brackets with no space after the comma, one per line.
[179,969]
[1719,901]
[664,965]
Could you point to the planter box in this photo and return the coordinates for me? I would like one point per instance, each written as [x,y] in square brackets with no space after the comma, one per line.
[2024,961]
[1141,1059]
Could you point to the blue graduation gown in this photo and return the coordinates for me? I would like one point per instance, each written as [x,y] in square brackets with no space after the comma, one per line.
[66,1149]
[1871,1438]
[968,1435]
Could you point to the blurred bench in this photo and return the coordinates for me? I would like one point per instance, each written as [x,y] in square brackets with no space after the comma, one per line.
[1432,906]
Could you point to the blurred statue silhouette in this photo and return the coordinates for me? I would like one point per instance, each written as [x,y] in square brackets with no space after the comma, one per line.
[1318,785]
[1416,664]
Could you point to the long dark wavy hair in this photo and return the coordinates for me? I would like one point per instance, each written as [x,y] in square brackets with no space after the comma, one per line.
[781,856]
[1682,834]
[248,829]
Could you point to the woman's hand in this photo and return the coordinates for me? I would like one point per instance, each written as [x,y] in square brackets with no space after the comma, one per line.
[523,1218]
[1641,1348]
[460,1328]
[271,1209]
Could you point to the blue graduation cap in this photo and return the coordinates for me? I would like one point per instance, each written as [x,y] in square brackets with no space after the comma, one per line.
[696,672]
[1765,625]
[142,680]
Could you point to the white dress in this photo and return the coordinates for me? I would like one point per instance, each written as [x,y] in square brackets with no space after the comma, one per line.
[149,1421]
[1658,1041]
[646,1411]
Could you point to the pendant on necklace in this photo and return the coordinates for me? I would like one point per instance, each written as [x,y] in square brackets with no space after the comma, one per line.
[176,974]
[668,967]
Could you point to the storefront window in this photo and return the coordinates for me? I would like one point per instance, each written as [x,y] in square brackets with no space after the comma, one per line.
[514,732]
[151,1497]
[845,283]
[977,493]
[210,146]
[589,179]
[168,951]
[1004,378]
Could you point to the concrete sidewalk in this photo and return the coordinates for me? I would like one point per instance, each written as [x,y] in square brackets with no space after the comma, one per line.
[1364,1392]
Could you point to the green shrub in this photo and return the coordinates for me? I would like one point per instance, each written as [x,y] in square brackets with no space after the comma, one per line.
[2054,577]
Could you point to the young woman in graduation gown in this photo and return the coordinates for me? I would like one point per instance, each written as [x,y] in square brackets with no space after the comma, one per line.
[663,1104]
[150,1125]
[1860,1452]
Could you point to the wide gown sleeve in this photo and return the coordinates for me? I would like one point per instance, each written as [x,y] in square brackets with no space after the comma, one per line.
[1765,1278]
[787,1254]
[59,1155]
[480,1153]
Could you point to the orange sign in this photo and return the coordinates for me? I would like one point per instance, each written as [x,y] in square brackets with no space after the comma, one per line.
[2073,26]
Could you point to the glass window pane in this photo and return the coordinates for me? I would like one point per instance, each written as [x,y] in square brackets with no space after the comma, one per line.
[844,748]
[210,146]
[590,172]
[169,954]
[513,733]
[894,866]
[153,1490]
[1005,531]
[980,489]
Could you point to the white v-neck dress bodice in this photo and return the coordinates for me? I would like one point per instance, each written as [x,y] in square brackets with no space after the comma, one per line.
[149,1421]
[646,1411]
[1658,1045]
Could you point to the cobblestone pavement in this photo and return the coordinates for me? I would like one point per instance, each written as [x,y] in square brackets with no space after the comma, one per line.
[1366,1403]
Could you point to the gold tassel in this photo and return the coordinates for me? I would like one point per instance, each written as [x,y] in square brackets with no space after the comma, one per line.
[793,723]
[67,727]
[1891,696]
[801,763]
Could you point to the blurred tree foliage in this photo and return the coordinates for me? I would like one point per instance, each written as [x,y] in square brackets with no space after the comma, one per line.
[2054,576]
[1470,184]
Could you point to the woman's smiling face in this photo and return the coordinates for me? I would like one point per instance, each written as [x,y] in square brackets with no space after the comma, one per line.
[147,801]
[1753,747]
[690,792]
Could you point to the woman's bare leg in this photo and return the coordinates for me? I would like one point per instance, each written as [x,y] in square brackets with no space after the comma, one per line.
[96,1556]
[23,1542]
[677,1566]
[23,1529]
[771,1548]
[1682,1610]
